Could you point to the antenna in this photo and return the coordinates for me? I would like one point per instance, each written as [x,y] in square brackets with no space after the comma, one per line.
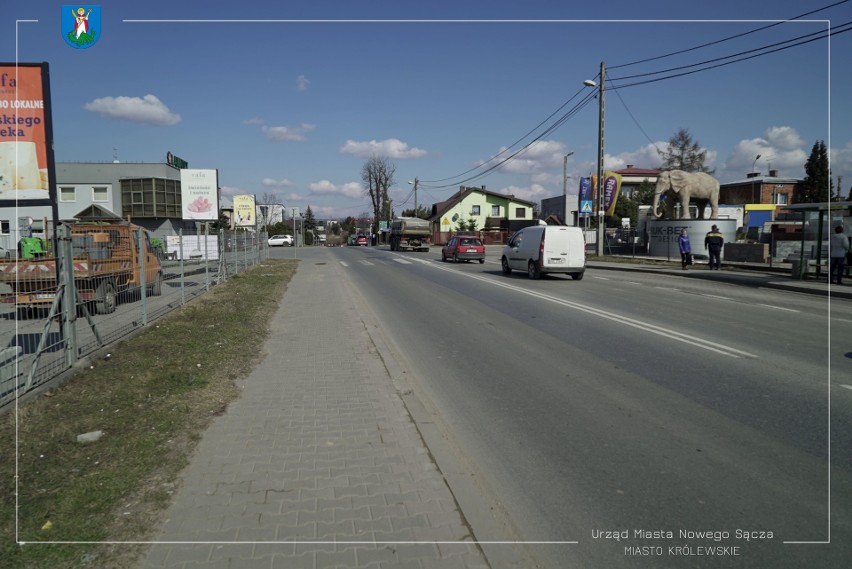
[115,159]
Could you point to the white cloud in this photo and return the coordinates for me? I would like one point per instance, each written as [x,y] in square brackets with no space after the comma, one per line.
[540,156]
[841,165]
[288,133]
[272,183]
[148,110]
[302,83]
[254,121]
[349,190]
[391,148]
[782,149]
[534,193]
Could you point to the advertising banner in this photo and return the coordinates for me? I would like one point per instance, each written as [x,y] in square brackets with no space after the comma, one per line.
[26,146]
[199,194]
[611,189]
[584,197]
[245,211]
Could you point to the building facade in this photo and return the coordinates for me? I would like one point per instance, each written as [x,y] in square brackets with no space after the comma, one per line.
[487,211]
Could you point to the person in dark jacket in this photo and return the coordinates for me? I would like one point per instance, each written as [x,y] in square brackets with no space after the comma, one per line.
[685,249]
[713,243]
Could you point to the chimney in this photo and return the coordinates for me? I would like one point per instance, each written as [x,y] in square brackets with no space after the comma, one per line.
[752,174]
[629,166]
[773,173]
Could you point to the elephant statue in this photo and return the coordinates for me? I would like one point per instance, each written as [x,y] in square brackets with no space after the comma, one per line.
[685,186]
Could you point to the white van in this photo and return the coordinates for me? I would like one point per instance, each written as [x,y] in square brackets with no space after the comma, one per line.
[541,249]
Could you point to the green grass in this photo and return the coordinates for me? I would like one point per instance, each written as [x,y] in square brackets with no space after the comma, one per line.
[153,398]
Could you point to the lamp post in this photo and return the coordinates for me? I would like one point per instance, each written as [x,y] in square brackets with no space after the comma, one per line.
[753,176]
[600,86]
[565,187]
[416,181]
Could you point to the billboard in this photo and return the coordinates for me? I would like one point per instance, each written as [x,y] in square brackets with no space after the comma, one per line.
[245,211]
[27,170]
[199,194]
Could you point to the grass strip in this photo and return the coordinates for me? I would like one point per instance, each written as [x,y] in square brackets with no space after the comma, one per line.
[153,398]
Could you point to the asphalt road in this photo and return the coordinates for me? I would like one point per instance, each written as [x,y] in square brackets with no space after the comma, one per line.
[631,403]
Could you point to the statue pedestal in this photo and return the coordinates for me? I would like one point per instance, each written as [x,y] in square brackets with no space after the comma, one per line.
[663,235]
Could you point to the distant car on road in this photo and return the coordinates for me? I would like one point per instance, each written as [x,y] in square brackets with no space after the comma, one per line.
[361,240]
[281,241]
[463,248]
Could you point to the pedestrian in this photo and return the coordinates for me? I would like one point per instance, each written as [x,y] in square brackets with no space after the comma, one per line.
[713,243]
[838,249]
[685,249]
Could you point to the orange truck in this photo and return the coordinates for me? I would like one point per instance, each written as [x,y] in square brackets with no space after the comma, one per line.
[106,262]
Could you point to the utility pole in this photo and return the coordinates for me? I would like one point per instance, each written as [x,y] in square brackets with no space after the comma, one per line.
[601,122]
[565,187]
[416,181]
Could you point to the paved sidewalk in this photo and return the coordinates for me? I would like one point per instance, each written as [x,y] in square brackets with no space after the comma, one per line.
[318,451]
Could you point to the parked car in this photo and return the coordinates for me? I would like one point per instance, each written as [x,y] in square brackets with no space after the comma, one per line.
[361,240]
[281,241]
[542,249]
[463,248]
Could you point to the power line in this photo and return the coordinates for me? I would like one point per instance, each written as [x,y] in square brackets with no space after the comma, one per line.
[687,50]
[819,35]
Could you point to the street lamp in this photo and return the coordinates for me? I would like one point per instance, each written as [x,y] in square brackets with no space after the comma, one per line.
[600,86]
[753,176]
[415,182]
[565,187]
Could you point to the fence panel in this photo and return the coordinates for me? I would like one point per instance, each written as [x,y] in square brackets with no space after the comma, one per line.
[43,339]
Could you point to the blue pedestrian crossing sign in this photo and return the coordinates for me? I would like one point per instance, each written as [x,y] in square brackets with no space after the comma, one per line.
[586,206]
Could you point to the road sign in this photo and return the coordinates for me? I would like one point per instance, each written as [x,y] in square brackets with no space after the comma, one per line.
[586,206]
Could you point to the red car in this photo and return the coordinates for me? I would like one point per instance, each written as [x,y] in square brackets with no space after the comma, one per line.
[463,248]
[361,240]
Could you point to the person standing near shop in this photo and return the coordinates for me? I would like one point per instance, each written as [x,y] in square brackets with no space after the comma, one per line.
[685,249]
[713,242]
[838,249]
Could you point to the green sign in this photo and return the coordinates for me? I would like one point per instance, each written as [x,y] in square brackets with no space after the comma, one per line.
[175,161]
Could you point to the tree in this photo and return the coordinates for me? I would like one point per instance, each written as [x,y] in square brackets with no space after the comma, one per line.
[818,185]
[377,175]
[267,208]
[309,223]
[422,212]
[684,153]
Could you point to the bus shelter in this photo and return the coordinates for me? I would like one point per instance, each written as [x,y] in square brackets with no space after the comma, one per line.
[818,222]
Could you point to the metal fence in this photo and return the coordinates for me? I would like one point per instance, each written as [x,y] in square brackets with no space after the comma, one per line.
[68,314]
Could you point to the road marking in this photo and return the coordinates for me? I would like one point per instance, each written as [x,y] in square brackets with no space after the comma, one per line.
[652,328]
[717,296]
[365,262]
[846,386]
[601,278]
[344,263]
[403,261]
[667,288]
[779,308]
[633,283]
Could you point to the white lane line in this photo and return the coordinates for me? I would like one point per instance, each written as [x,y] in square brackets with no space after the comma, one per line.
[667,288]
[633,283]
[365,263]
[659,330]
[403,261]
[717,296]
[846,386]
[344,263]
[779,308]
[601,278]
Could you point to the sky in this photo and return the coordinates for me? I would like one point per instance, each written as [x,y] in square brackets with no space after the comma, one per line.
[288,99]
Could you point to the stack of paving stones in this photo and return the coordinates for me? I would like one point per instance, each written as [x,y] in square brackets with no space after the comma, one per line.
[318,464]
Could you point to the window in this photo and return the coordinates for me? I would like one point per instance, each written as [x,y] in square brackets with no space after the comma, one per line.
[67,194]
[781,199]
[5,228]
[474,210]
[100,194]
[520,212]
[495,211]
